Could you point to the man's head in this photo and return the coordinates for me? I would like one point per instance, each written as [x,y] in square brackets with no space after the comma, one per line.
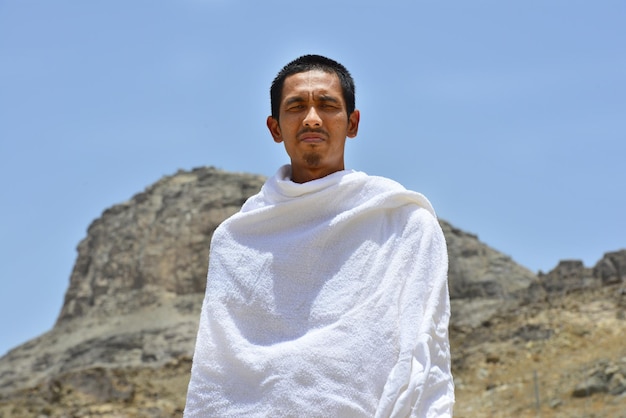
[307,63]
[312,117]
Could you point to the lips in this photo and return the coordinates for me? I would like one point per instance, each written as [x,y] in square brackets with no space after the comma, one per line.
[311,137]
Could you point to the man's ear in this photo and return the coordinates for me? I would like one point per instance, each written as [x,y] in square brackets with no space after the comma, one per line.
[274,127]
[353,123]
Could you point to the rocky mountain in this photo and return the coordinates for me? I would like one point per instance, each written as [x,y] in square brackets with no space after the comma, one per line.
[522,344]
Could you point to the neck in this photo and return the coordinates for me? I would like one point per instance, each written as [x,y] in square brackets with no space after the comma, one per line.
[304,175]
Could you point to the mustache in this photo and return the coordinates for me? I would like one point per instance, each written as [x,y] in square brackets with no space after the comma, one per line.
[312,131]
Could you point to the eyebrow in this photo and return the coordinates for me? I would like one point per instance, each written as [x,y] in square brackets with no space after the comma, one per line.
[327,98]
[292,100]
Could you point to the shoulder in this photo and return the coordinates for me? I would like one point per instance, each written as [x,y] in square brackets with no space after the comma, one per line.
[391,192]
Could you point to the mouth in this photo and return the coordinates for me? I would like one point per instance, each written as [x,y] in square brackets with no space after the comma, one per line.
[312,137]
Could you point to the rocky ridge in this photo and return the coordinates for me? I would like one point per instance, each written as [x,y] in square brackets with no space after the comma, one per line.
[123,342]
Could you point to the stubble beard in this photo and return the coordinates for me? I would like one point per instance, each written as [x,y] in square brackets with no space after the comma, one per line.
[312,159]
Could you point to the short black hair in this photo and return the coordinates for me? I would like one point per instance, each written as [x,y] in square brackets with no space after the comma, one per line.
[308,63]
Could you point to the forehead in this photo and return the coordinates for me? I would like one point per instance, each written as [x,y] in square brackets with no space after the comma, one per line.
[312,82]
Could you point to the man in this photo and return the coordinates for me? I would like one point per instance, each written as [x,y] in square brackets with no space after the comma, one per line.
[327,293]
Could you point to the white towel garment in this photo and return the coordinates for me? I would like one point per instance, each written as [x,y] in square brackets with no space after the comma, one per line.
[325,299]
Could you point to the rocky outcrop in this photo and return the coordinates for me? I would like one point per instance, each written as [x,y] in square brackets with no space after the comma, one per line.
[572,275]
[612,268]
[156,244]
[603,377]
[478,271]
[126,331]
[137,285]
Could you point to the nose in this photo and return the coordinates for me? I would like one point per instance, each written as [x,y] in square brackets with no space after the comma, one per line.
[312,118]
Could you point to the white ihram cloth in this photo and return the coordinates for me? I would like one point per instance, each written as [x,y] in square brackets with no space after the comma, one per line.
[325,299]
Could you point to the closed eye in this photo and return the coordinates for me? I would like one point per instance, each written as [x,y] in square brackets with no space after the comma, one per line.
[329,102]
[294,103]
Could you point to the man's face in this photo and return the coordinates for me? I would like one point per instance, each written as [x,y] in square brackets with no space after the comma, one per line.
[313,124]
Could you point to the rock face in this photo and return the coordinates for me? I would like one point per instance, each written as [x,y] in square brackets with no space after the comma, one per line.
[153,245]
[123,342]
[137,286]
[611,269]
[477,271]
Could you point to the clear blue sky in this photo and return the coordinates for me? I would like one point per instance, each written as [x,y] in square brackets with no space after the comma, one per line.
[509,115]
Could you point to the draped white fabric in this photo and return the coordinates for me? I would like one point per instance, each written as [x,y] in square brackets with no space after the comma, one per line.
[325,299]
